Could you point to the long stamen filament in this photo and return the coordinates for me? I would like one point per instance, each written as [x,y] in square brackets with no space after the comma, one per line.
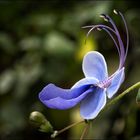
[116,46]
[119,38]
[108,30]
[100,26]
[119,44]
[127,34]
[113,40]
[114,26]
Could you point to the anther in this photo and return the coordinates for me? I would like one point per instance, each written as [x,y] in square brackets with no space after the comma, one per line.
[115,12]
[99,28]
[104,17]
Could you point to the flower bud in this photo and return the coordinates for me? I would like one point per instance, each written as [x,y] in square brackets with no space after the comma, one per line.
[37,117]
[39,120]
[138,97]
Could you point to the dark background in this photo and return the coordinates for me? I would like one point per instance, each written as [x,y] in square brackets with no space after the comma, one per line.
[43,42]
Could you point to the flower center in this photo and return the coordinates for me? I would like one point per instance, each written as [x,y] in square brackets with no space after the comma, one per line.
[105,83]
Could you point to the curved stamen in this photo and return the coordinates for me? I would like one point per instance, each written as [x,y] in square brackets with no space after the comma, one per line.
[108,30]
[119,43]
[118,35]
[100,26]
[127,34]
[116,46]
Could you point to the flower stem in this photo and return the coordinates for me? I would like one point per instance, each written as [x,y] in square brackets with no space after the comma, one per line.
[137,85]
[56,133]
[84,131]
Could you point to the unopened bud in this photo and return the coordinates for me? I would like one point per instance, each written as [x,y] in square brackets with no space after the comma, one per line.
[138,97]
[39,120]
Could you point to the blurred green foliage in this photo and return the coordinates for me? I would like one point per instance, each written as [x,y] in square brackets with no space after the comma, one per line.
[40,43]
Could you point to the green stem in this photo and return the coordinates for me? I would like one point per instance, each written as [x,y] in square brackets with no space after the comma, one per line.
[112,102]
[85,131]
[56,133]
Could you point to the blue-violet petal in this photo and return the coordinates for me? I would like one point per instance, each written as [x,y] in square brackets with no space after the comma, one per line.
[93,103]
[58,98]
[116,82]
[85,81]
[94,65]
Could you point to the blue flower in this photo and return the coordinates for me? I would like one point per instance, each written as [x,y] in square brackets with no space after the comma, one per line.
[92,91]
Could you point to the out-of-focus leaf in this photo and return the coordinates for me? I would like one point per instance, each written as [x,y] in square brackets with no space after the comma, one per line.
[82,14]
[56,43]
[27,73]
[31,43]
[42,21]
[133,19]
[119,125]
[11,117]
[90,12]
[7,80]
[6,43]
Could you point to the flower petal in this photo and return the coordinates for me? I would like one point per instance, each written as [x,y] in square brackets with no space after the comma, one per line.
[85,81]
[116,82]
[93,103]
[58,98]
[94,65]
[62,104]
